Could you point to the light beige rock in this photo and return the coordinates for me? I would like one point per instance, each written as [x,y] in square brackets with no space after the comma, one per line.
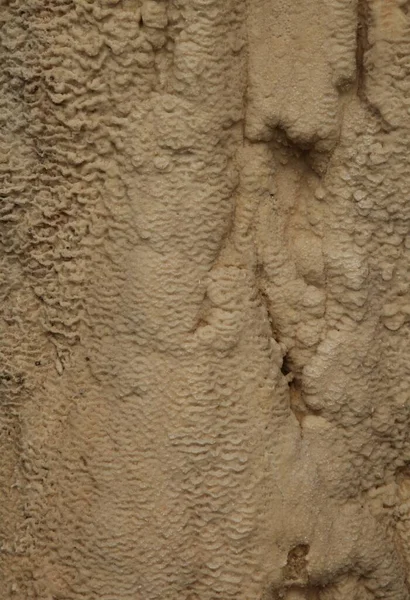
[205,344]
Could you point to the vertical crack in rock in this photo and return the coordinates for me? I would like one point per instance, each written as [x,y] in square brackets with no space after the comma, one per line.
[362,46]
[297,406]
[296,403]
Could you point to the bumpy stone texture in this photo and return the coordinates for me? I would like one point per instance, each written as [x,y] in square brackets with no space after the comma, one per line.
[204,228]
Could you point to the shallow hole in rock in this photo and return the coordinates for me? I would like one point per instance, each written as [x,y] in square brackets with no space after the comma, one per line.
[296,566]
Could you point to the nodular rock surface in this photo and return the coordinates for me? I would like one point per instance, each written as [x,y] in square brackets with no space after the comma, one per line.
[205,299]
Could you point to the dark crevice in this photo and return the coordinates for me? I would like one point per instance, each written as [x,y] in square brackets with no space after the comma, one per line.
[286,368]
[296,402]
[362,46]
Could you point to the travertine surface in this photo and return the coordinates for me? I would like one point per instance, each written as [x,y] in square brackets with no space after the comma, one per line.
[205,324]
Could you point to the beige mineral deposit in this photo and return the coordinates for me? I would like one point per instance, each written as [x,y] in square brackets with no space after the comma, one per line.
[205,300]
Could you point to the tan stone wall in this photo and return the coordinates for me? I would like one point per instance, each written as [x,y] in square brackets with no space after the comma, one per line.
[205,341]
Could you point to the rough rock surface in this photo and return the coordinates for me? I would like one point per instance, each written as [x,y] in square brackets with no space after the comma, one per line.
[205,291]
